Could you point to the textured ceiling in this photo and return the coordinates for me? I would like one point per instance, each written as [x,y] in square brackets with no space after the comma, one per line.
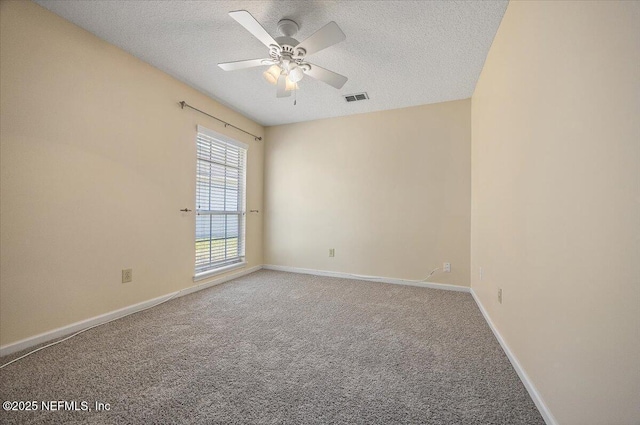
[402,53]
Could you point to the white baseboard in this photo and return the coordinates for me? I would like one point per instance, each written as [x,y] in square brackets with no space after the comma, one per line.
[103,318]
[533,392]
[342,275]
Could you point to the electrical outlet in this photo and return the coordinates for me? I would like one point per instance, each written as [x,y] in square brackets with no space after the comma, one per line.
[446,267]
[127,275]
[332,252]
[500,295]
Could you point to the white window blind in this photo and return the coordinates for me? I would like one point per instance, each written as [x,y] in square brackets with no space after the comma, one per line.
[220,201]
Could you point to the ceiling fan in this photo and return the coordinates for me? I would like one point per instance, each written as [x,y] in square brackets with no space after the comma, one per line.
[288,55]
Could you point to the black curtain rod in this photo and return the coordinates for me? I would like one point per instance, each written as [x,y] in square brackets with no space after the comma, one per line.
[226,124]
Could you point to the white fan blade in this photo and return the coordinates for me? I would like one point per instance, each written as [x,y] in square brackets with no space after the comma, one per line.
[232,66]
[282,87]
[245,19]
[326,36]
[332,78]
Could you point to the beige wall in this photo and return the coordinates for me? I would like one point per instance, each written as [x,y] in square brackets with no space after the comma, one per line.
[390,191]
[556,202]
[97,159]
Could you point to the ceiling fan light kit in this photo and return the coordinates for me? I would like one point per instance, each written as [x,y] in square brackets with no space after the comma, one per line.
[296,74]
[271,75]
[287,55]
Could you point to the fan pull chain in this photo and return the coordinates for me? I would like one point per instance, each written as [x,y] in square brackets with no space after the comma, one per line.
[295,97]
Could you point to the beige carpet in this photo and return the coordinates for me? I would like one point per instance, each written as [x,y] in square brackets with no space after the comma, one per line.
[276,348]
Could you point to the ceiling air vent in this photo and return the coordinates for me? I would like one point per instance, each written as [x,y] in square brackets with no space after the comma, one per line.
[356,97]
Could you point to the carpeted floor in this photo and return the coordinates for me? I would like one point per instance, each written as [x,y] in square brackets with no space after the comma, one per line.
[275,348]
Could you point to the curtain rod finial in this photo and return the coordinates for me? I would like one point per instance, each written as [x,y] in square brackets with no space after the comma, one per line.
[226,124]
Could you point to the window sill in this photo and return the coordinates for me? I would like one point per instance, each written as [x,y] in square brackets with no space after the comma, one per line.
[220,270]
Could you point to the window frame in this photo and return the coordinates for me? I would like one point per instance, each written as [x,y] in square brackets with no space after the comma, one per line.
[222,266]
